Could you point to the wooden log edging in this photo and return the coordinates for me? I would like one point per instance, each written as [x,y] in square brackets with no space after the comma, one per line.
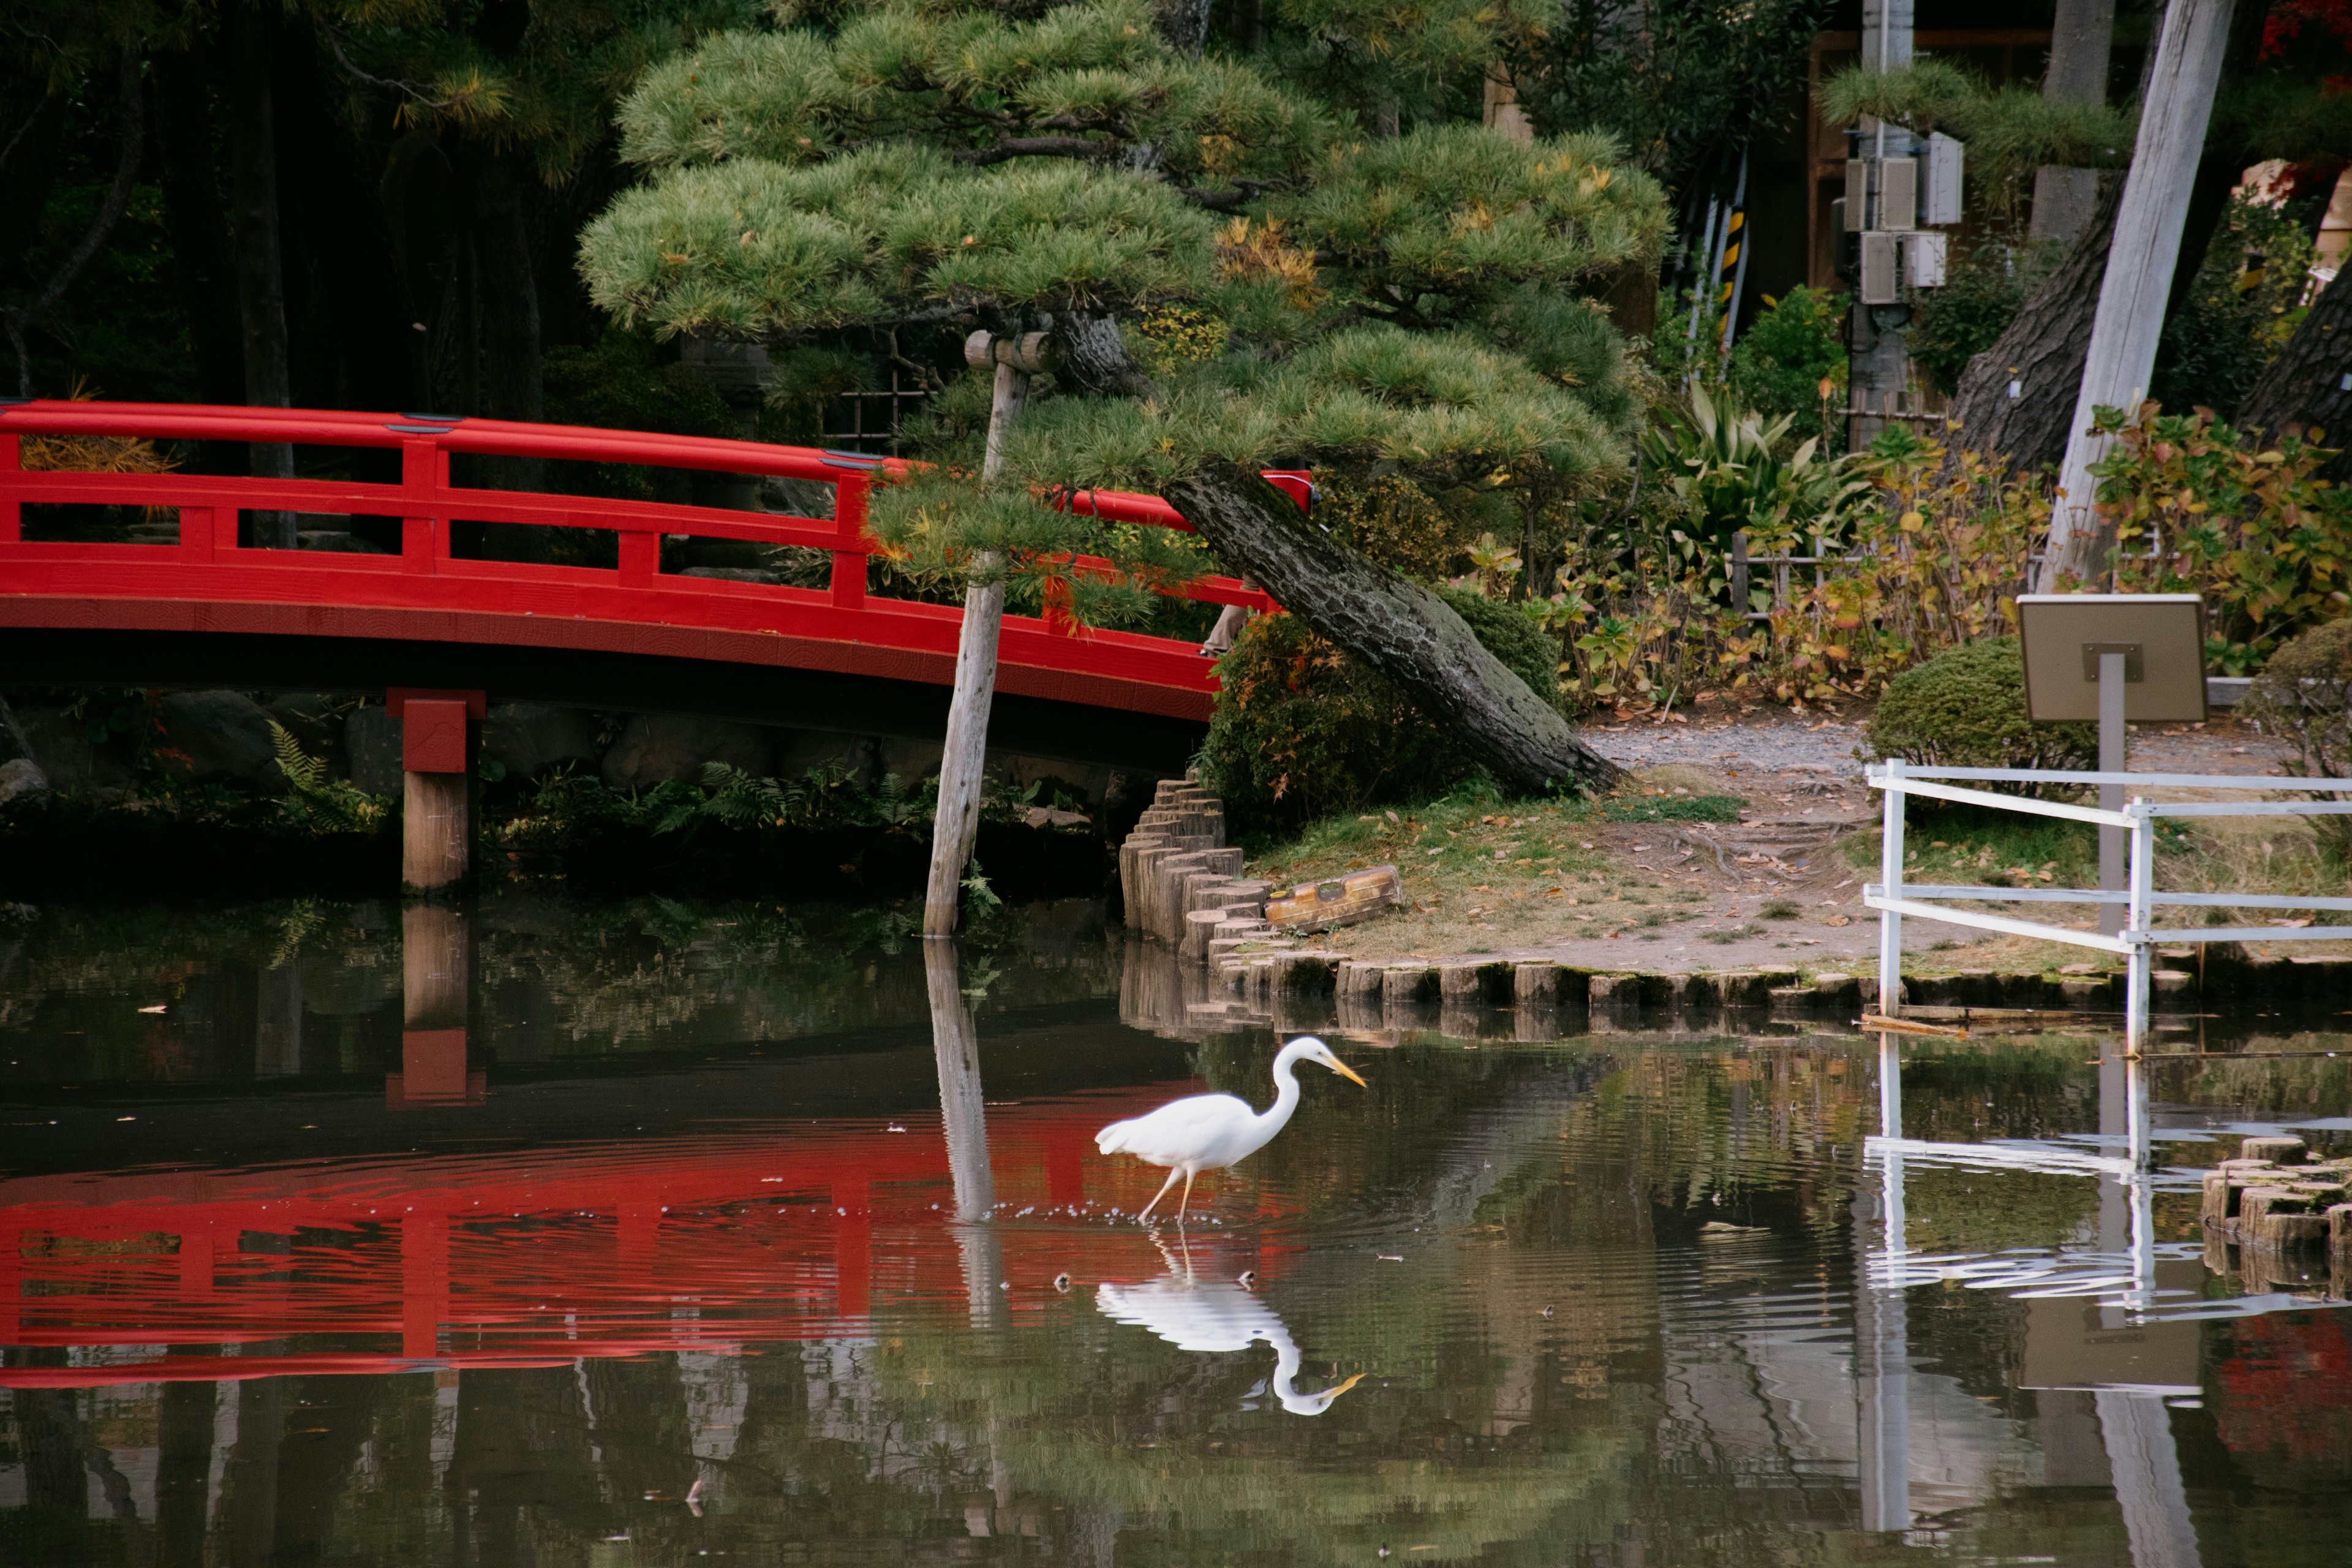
[2283,1215]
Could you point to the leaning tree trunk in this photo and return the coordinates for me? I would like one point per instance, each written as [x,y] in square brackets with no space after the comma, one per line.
[2175,112]
[1398,627]
[2041,354]
[2304,385]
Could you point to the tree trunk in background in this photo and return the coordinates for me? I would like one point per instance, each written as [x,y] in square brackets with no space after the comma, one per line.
[1396,626]
[132,117]
[512,387]
[1184,23]
[2082,37]
[260,282]
[191,216]
[2220,167]
[2041,352]
[2174,115]
[2304,385]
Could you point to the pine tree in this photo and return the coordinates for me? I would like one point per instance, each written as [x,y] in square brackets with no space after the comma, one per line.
[1046,178]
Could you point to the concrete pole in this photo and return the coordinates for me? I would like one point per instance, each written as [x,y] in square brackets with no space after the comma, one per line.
[965,759]
[2173,115]
[1879,367]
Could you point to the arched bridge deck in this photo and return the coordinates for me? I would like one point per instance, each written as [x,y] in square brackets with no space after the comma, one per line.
[209,610]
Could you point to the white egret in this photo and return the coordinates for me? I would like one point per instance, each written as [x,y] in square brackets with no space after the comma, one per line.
[1212,1315]
[1211,1132]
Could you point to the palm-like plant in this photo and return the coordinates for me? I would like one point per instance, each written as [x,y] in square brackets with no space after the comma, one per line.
[1724,463]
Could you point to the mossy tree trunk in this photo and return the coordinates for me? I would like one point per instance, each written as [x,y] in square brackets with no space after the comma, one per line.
[1396,626]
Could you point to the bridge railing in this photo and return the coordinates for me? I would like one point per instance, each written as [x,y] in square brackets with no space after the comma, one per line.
[427,503]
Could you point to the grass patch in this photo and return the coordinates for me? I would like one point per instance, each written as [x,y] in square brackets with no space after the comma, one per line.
[1976,846]
[1725,938]
[1481,870]
[1780,910]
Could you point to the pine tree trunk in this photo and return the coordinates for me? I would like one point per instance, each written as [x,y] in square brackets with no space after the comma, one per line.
[2041,351]
[2304,385]
[260,282]
[2174,116]
[1398,627]
[512,384]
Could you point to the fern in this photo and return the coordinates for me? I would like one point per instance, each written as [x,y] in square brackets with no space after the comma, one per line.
[317,801]
[302,771]
[980,899]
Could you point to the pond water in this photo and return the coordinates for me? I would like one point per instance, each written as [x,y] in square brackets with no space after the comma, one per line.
[635,1234]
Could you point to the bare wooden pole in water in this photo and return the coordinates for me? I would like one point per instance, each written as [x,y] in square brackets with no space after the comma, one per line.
[965,759]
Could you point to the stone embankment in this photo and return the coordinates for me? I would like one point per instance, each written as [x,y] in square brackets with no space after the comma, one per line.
[1184,890]
[2287,1214]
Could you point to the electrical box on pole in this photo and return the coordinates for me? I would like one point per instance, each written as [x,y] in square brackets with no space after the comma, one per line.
[1941,202]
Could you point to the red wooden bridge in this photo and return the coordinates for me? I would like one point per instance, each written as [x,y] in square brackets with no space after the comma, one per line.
[211,610]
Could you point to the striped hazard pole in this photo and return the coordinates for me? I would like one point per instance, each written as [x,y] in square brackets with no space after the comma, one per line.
[1733,270]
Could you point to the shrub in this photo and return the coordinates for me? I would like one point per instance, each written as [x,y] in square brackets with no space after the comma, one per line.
[1780,362]
[2305,695]
[1965,708]
[1301,731]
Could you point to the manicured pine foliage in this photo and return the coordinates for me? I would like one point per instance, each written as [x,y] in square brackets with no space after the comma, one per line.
[1417,303]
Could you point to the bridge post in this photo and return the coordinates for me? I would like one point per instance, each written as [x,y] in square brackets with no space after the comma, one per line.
[437,775]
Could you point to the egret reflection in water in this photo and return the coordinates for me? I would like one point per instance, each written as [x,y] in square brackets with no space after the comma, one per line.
[1212,1316]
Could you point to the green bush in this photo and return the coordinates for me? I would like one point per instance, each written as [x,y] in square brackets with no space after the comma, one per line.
[1965,708]
[1781,361]
[1980,296]
[2305,695]
[1301,731]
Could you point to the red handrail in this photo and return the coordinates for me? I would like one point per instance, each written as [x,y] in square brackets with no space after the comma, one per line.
[208,564]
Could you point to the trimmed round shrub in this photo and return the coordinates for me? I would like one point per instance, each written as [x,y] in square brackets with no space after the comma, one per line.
[1965,708]
[1302,730]
[2305,695]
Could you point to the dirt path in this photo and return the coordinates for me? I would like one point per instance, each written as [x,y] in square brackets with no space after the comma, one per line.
[1690,901]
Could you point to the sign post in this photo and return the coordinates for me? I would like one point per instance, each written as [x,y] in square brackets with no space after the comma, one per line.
[2116,658]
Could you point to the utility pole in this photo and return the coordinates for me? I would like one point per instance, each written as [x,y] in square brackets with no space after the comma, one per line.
[1880,197]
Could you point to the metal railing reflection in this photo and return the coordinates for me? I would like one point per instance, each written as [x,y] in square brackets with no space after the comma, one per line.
[2097,1323]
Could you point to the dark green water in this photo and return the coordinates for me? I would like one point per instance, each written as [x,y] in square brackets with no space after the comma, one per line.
[630,1235]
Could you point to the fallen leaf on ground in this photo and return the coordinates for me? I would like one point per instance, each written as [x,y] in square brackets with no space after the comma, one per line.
[1838,921]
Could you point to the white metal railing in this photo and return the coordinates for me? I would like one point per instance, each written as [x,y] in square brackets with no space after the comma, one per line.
[1893,897]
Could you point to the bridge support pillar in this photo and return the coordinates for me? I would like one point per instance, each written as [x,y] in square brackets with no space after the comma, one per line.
[437,785]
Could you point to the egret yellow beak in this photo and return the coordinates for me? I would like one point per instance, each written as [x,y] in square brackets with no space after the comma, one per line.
[1331,1393]
[1344,1070]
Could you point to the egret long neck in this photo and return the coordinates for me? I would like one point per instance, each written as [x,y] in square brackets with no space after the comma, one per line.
[1286,1093]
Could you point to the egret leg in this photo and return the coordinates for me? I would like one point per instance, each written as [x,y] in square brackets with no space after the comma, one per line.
[1185,1202]
[1156,1196]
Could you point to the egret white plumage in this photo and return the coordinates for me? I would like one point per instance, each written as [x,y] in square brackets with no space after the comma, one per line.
[1211,1132]
[1206,1315]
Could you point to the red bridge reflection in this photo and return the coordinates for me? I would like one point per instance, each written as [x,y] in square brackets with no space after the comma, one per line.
[541,1257]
